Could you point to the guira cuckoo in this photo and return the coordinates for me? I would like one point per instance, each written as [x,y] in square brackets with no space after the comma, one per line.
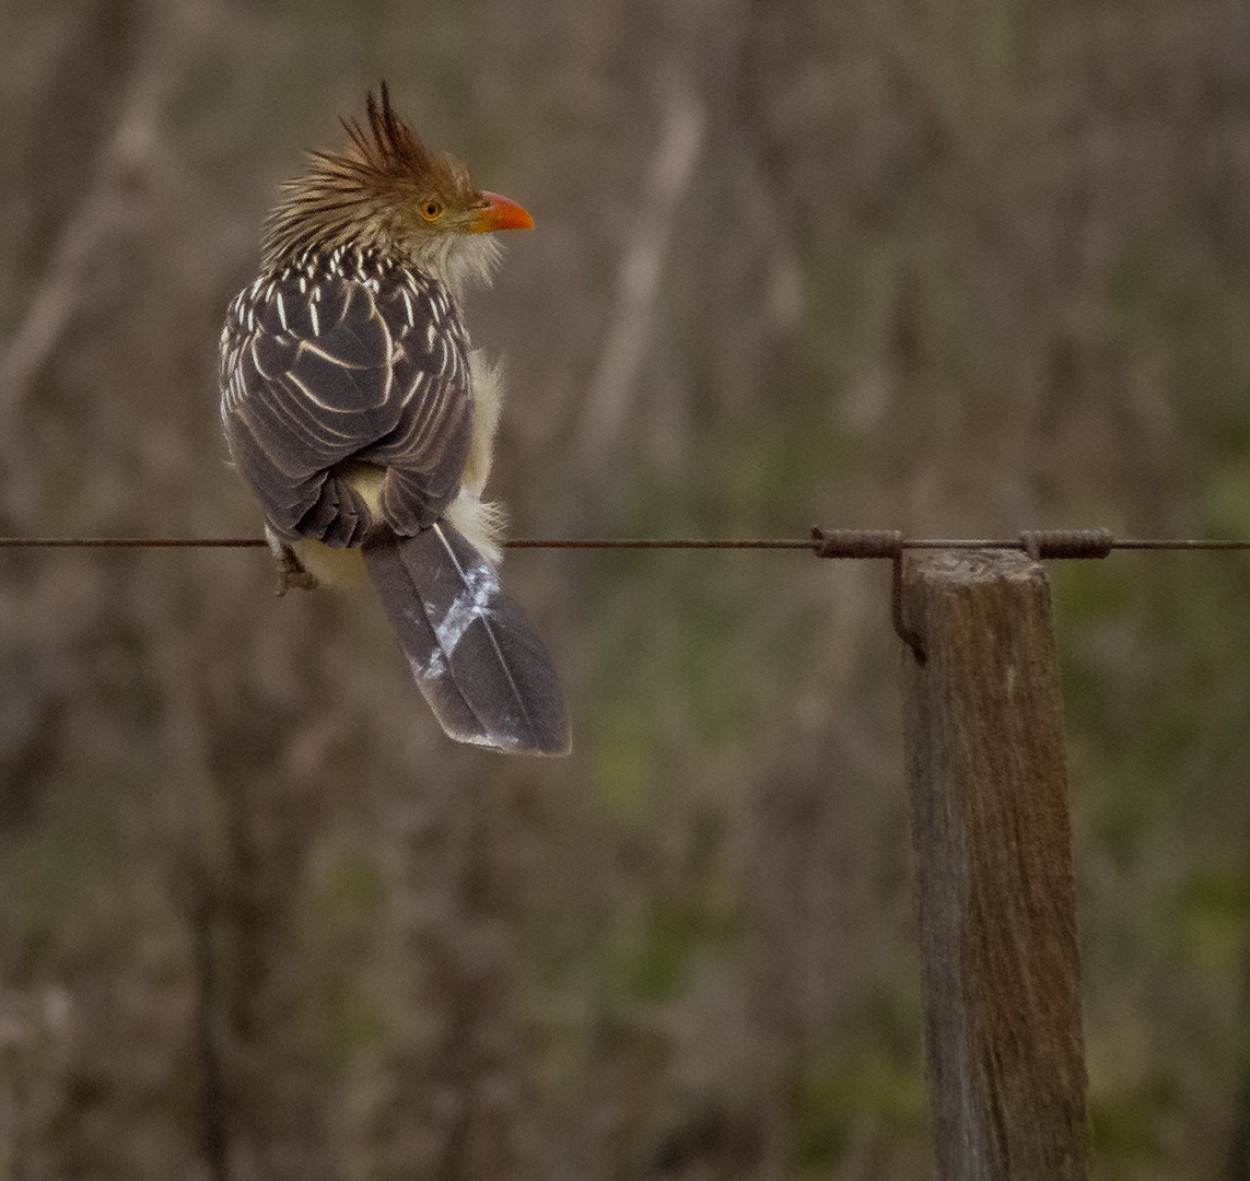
[363,423]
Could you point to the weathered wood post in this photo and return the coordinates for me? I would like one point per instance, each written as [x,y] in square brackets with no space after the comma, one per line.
[994,883]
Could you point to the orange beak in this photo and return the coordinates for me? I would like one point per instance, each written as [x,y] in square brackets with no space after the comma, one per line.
[500,214]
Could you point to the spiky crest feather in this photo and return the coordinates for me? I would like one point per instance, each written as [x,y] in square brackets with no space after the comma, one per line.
[390,147]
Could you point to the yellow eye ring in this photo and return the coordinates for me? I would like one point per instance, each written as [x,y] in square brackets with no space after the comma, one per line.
[431,210]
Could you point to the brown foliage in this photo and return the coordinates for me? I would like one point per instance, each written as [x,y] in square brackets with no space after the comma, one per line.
[911,264]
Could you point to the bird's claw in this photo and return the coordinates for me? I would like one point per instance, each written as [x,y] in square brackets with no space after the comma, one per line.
[291,572]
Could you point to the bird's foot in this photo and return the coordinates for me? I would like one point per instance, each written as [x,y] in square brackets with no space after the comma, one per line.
[291,571]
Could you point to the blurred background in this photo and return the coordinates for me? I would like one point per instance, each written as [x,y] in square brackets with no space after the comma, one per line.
[950,266]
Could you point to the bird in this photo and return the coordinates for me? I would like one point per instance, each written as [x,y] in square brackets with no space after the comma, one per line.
[363,423]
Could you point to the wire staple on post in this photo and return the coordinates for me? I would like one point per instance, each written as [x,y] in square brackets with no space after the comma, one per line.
[873,543]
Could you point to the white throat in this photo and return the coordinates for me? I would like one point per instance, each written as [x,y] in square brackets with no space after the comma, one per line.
[460,261]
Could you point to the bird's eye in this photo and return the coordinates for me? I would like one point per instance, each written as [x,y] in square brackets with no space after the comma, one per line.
[431,210]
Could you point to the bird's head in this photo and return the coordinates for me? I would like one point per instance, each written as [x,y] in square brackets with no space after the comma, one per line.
[386,192]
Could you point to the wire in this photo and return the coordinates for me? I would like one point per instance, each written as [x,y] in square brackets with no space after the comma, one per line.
[519,543]
[132,542]
[848,543]
[661,543]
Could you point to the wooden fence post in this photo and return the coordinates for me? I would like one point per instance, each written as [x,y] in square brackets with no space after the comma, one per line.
[987,780]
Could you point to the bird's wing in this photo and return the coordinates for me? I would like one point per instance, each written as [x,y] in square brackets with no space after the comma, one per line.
[326,370]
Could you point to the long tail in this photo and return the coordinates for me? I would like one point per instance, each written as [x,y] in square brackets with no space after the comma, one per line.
[477,660]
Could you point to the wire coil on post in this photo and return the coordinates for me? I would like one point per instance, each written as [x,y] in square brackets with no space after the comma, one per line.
[1041,544]
[856,543]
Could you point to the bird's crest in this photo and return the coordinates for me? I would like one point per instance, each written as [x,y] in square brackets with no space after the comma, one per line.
[388,146]
[353,197]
